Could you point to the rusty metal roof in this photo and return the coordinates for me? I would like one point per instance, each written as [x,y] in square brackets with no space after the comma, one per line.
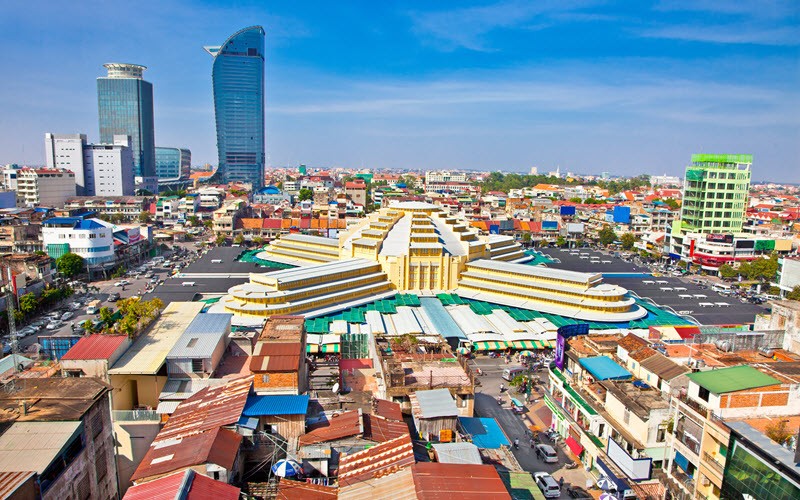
[278,349]
[381,430]
[96,347]
[295,490]
[339,426]
[210,408]
[51,399]
[187,485]
[217,446]
[387,409]
[383,459]
[435,480]
[11,481]
[274,363]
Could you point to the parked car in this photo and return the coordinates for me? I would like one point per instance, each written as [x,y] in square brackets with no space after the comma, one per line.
[66,316]
[54,325]
[113,297]
[122,283]
[547,453]
[579,493]
[547,484]
[28,330]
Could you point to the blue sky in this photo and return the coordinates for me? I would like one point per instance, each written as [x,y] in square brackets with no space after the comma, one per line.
[627,87]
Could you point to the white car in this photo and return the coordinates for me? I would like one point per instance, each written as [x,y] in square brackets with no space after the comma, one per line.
[66,316]
[122,283]
[547,453]
[547,484]
[54,325]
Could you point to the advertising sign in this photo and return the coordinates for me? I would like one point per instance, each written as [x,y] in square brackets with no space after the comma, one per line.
[549,225]
[559,358]
[567,210]
[565,332]
[494,229]
[720,238]
[576,228]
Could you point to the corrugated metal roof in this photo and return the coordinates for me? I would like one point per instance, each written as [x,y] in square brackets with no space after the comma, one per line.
[95,347]
[663,367]
[389,456]
[295,490]
[457,453]
[210,323]
[436,403]
[257,406]
[147,355]
[604,368]
[464,481]
[387,409]
[196,345]
[32,446]
[339,426]
[187,485]
[167,407]
[380,429]
[9,362]
[11,481]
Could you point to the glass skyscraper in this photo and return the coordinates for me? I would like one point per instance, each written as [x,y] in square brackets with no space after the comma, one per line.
[173,163]
[238,81]
[125,105]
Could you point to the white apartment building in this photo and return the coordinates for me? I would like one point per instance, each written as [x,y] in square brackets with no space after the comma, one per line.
[108,168]
[92,239]
[439,177]
[45,187]
[665,180]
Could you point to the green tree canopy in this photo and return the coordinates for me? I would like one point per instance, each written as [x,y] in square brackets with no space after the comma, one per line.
[69,264]
[145,217]
[305,194]
[794,294]
[607,235]
[220,239]
[726,271]
[238,240]
[627,239]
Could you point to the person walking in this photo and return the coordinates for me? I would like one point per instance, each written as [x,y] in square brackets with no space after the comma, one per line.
[516,443]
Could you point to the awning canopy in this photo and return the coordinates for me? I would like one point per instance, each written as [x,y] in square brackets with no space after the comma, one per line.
[574,446]
[312,348]
[490,346]
[330,348]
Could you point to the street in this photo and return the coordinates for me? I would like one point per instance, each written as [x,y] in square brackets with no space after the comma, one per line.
[515,426]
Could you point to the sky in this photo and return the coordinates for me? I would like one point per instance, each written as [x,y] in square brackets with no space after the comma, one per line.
[587,86]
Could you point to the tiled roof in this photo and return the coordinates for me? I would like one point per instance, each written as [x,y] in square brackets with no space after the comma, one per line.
[339,426]
[258,405]
[663,367]
[96,347]
[186,485]
[463,481]
[382,459]
[295,490]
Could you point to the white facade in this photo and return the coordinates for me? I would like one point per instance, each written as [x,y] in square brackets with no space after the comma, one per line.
[45,187]
[66,151]
[665,180]
[444,176]
[92,239]
[109,168]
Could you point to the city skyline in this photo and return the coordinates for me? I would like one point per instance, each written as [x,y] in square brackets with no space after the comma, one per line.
[501,86]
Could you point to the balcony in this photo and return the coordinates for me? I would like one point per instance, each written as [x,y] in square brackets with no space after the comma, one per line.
[712,463]
[689,441]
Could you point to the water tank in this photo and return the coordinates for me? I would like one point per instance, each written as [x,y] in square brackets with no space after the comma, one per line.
[766,352]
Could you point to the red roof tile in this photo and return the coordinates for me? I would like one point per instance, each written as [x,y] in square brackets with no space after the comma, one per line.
[434,480]
[381,459]
[96,347]
[339,426]
[295,490]
[187,485]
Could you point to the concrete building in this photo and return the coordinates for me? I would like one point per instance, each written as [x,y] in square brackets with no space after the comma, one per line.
[440,177]
[92,239]
[278,363]
[45,187]
[61,431]
[92,356]
[788,274]
[129,207]
[66,151]
[357,191]
[109,168]
[198,352]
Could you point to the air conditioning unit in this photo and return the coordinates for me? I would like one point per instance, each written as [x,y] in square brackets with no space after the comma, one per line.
[705,481]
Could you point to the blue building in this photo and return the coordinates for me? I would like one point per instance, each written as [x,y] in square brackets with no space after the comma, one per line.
[238,81]
[173,164]
[125,106]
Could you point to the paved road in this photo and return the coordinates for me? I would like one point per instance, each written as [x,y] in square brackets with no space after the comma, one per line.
[513,424]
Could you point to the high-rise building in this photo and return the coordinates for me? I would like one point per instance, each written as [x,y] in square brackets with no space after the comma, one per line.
[715,193]
[238,81]
[173,163]
[125,105]
[109,168]
[66,151]
[45,187]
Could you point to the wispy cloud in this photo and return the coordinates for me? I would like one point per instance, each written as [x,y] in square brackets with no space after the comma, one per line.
[726,34]
[469,28]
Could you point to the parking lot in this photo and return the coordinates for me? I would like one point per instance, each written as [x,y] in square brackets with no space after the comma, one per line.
[587,260]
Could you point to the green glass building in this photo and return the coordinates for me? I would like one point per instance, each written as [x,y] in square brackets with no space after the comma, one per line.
[715,193]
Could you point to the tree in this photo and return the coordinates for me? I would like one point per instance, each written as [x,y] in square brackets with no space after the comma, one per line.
[193,220]
[105,315]
[305,194]
[238,240]
[561,241]
[794,294]
[627,239]
[726,271]
[526,238]
[575,200]
[145,217]
[780,432]
[258,241]
[607,235]
[28,303]
[208,224]
[69,264]
[672,203]
[220,239]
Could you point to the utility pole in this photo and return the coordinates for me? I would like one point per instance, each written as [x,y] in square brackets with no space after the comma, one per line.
[12,324]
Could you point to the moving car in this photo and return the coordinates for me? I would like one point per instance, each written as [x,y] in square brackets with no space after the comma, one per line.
[54,325]
[66,316]
[113,297]
[547,453]
[122,283]
[547,484]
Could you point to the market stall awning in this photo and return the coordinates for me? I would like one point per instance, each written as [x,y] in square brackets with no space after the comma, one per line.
[312,348]
[490,346]
[574,446]
[525,344]
[330,348]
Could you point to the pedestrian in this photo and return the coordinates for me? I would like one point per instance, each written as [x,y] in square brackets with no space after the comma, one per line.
[532,443]
[561,482]
[516,443]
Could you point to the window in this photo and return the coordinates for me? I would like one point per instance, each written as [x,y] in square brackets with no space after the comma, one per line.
[101,463]
[197,366]
[265,378]
[627,416]
[97,423]
[703,394]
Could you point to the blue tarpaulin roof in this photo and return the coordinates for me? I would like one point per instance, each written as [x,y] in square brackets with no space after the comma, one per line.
[604,368]
[258,406]
[248,423]
[484,431]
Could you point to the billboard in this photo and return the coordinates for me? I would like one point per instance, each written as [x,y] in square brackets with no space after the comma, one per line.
[573,227]
[559,356]
[564,332]
[745,244]
[622,215]
[567,210]
[720,238]
[637,469]
[494,229]
[549,225]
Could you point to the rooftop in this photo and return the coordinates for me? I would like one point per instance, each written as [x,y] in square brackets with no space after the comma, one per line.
[296,490]
[732,379]
[51,399]
[636,399]
[95,347]
[149,351]
[464,481]
[436,403]
[258,405]
[340,425]
[663,367]
[283,328]
[32,446]
[186,485]
[604,368]
[457,453]
[376,461]
[202,336]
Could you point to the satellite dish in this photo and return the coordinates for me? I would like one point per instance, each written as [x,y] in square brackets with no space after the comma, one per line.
[335,387]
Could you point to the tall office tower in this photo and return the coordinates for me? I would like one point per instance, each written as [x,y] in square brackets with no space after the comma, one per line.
[715,193]
[66,151]
[125,104]
[238,81]
[173,163]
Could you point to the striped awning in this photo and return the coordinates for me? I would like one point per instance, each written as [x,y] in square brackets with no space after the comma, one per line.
[312,348]
[330,348]
[490,346]
[548,344]
[525,344]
